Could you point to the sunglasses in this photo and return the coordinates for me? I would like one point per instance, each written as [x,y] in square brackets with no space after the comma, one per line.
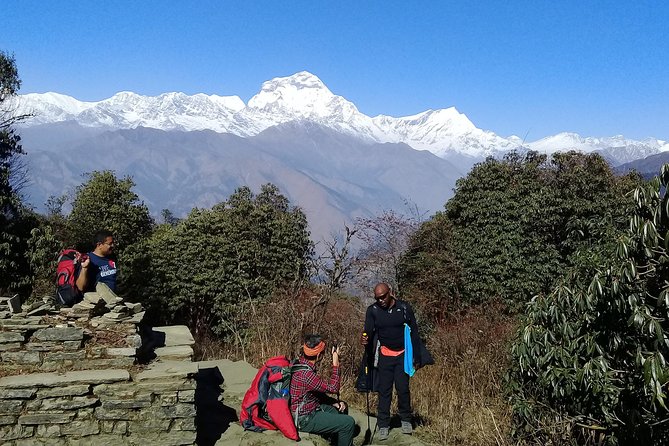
[381,297]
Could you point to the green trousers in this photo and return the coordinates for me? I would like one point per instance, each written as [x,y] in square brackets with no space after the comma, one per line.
[326,420]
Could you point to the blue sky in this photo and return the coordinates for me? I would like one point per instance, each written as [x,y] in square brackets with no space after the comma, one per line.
[530,68]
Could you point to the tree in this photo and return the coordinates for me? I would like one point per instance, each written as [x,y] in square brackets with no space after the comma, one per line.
[215,263]
[429,270]
[518,221]
[384,239]
[105,202]
[13,266]
[591,354]
[336,265]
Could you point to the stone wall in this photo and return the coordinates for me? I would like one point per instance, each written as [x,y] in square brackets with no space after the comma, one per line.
[71,377]
[91,407]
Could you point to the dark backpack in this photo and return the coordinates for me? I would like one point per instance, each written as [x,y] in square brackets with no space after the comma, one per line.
[69,267]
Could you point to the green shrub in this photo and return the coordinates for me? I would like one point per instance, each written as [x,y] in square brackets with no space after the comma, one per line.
[589,359]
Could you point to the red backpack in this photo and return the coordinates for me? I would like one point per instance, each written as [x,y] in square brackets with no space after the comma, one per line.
[266,404]
[69,266]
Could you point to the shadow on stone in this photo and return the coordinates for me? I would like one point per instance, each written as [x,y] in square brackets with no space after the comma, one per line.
[213,417]
[151,340]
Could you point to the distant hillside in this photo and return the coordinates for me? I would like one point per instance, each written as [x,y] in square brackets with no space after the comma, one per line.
[334,177]
[648,167]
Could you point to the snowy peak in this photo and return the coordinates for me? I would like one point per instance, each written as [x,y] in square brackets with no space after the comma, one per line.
[300,96]
[304,97]
[574,141]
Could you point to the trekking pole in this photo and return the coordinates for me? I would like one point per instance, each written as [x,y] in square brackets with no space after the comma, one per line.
[368,428]
[368,433]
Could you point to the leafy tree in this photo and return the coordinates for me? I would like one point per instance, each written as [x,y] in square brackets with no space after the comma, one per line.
[13,265]
[168,217]
[518,221]
[211,264]
[429,271]
[105,202]
[591,355]
[42,253]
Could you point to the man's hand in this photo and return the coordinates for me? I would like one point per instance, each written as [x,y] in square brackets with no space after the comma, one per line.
[340,406]
[335,356]
[364,339]
[86,262]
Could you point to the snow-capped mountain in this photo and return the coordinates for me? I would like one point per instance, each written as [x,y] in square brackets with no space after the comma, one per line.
[300,97]
[317,147]
[617,149]
[304,97]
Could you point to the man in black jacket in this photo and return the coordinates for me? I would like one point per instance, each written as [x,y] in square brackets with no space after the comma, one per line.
[384,325]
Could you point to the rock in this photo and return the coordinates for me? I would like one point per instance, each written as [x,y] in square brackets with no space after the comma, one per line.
[134,308]
[68,378]
[115,316]
[59,334]
[178,352]
[166,370]
[11,336]
[47,418]
[107,294]
[92,297]
[83,306]
[116,351]
[14,303]
[172,336]
[41,310]
[137,318]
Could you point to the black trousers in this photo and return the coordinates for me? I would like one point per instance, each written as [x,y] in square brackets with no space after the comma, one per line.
[391,371]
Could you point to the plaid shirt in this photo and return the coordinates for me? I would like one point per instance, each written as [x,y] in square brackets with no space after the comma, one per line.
[305,386]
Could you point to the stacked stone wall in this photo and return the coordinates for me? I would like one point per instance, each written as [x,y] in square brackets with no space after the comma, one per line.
[98,407]
[39,344]
[71,377]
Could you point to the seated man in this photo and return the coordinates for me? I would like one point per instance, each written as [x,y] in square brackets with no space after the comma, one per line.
[307,391]
[101,267]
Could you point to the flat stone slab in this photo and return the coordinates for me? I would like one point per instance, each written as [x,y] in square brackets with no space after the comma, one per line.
[32,320]
[177,352]
[92,297]
[121,351]
[237,375]
[17,327]
[69,378]
[11,336]
[59,334]
[174,335]
[168,370]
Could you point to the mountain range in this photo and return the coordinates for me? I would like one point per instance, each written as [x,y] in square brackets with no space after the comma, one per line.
[322,152]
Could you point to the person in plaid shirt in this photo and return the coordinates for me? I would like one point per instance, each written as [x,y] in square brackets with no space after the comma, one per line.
[308,392]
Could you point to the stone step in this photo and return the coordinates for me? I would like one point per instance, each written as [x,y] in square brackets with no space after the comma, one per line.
[172,336]
[177,352]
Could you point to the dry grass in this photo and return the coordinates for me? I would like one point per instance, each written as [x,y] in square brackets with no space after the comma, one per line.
[467,405]
[459,400]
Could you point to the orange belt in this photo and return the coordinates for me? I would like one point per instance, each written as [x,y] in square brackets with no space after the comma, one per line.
[385,351]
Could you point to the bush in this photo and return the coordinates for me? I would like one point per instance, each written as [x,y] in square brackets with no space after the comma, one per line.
[589,360]
[209,268]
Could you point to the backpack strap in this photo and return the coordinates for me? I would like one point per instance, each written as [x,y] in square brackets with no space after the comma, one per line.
[296,366]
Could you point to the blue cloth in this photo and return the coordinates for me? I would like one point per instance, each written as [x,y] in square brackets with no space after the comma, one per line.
[103,270]
[408,352]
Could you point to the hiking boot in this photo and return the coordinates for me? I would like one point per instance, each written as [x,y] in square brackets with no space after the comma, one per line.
[406,427]
[383,433]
